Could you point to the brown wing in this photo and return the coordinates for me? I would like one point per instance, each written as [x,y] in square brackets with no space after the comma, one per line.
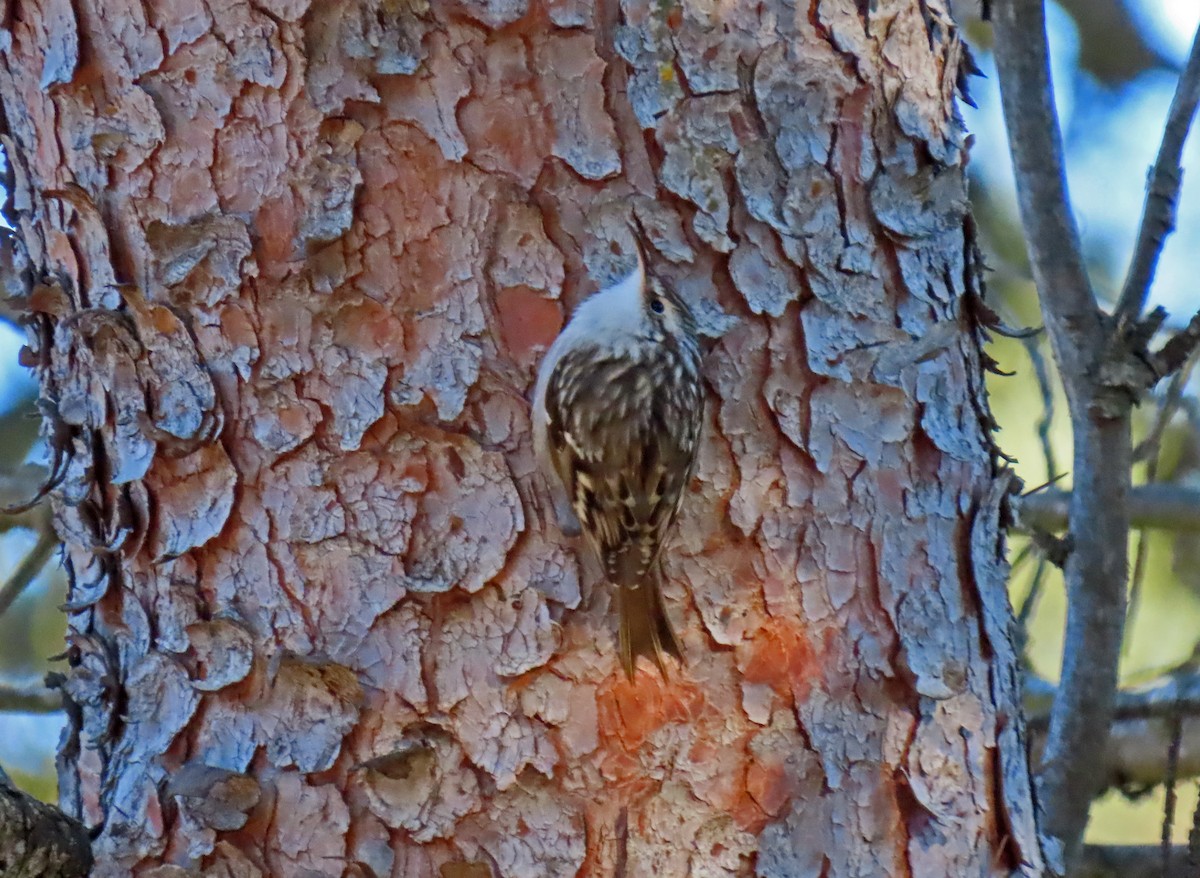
[624,447]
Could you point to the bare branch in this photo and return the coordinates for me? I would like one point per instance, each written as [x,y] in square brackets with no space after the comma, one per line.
[1162,190]
[1159,505]
[1136,757]
[1179,695]
[29,696]
[1096,568]
[1095,576]
[38,840]
[1068,304]
[1113,861]
[1178,349]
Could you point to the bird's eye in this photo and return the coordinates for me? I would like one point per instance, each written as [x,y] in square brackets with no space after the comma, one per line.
[656,305]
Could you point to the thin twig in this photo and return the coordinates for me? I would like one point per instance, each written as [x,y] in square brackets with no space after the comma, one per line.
[1138,576]
[28,569]
[1034,351]
[1171,401]
[1193,846]
[1095,570]
[1148,450]
[1021,635]
[30,696]
[1169,803]
[1162,190]
[15,490]
[1034,594]
[1025,553]
[1140,559]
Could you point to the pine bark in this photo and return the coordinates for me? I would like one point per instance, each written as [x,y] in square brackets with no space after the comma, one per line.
[295,265]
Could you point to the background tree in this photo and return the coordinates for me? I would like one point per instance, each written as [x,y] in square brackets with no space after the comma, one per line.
[289,271]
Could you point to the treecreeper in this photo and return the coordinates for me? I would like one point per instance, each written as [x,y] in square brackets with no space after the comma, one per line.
[617,413]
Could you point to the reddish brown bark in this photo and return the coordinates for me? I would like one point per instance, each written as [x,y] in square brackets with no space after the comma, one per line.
[299,265]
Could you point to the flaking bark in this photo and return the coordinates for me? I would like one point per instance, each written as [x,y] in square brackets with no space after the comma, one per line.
[299,262]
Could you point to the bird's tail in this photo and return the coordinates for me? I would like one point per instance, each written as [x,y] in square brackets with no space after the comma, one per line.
[645,628]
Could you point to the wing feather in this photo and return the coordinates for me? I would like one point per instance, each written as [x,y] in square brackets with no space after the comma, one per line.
[624,449]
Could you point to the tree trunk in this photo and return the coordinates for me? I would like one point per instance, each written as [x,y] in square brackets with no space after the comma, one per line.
[296,266]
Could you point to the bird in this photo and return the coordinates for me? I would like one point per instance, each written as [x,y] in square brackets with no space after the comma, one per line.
[617,414]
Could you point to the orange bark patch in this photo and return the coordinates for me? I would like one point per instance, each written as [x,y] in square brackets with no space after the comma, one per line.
[716,766]
[527,320]
[238,331]
[891,486]
[154,815]
[275,228]
[749,815]
[781,656]
[718,771]
[630,712]
[853,125]
[504,124]
[507,137]
[770,785]
[369,328]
